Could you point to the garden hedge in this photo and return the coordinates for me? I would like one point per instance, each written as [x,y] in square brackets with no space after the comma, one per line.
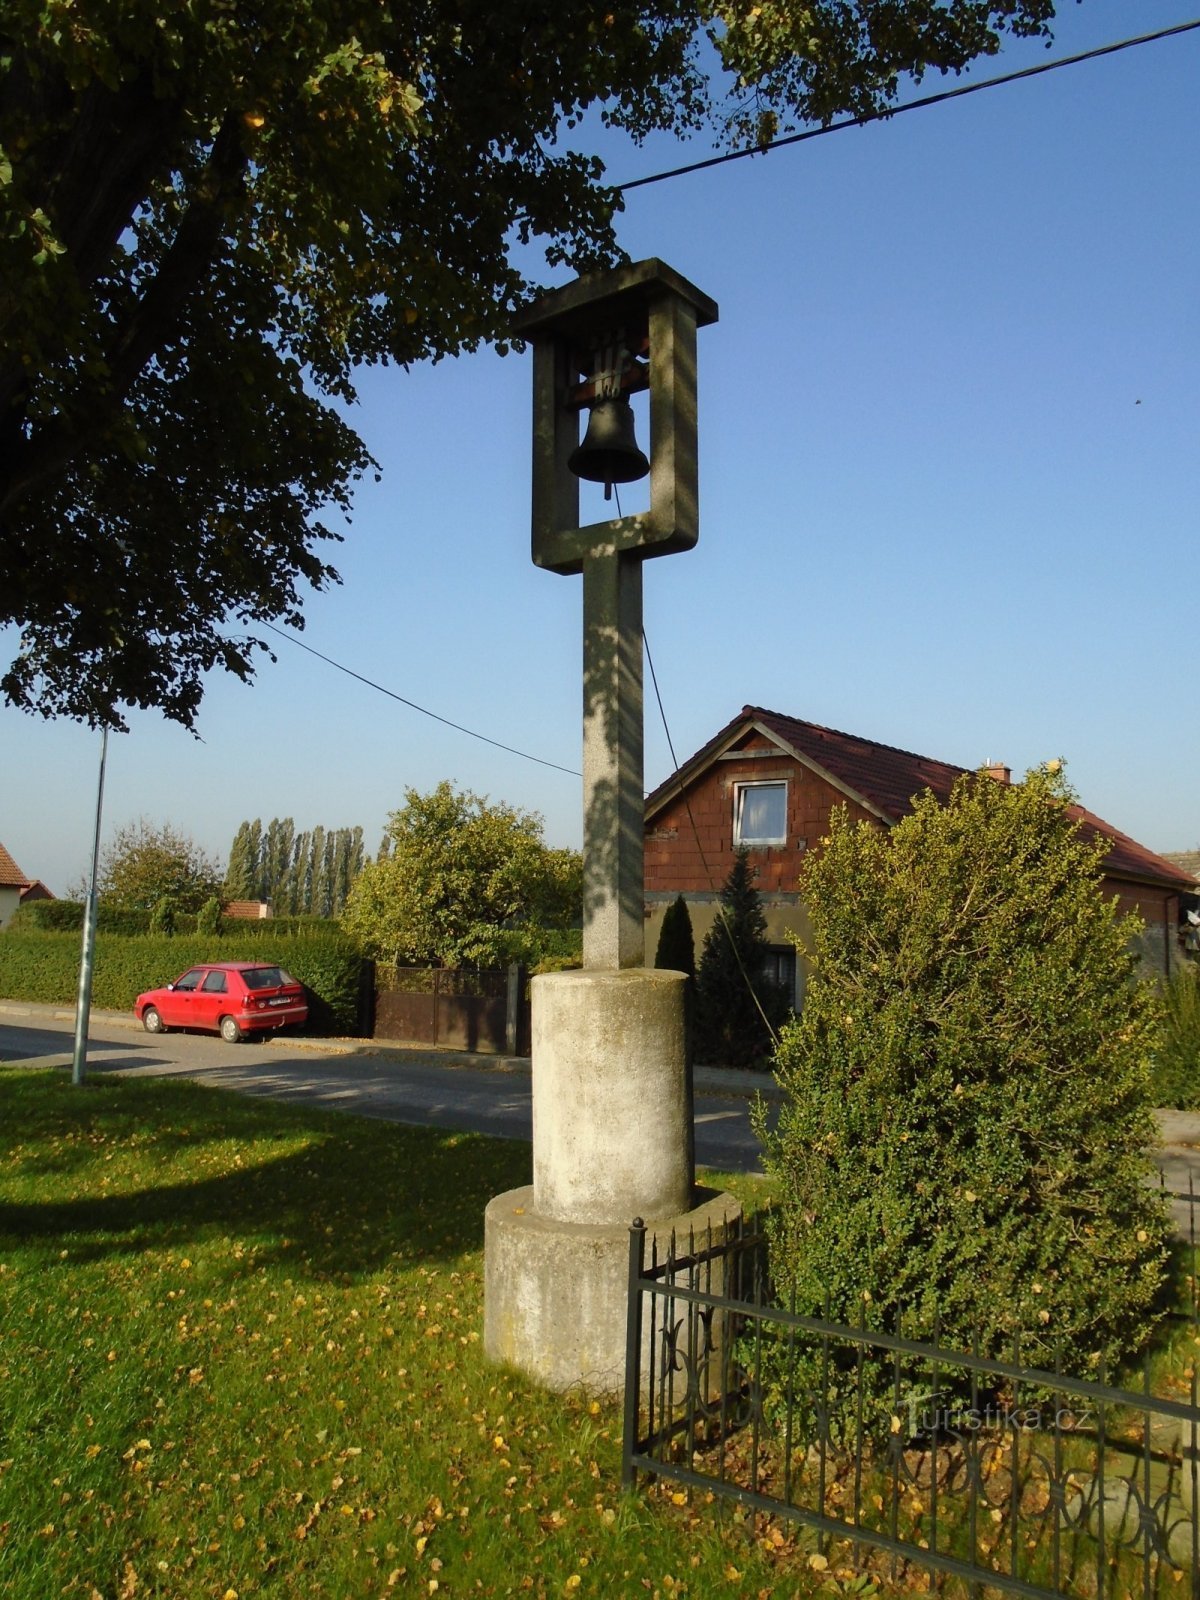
[66,916]
[45,967]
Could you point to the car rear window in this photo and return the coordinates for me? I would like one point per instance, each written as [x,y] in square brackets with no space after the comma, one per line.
[265,977]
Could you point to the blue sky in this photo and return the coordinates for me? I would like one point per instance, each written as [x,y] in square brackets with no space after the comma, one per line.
[950,483]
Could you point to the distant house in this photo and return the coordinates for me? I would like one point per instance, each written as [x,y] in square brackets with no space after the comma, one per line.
[16,888]
[1189,919]
[248,910]
[1189,860]
[769,782]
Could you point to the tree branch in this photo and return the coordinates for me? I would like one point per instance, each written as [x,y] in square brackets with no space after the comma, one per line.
[28,462]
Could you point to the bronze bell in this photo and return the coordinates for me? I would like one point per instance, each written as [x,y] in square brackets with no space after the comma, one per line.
[609,452]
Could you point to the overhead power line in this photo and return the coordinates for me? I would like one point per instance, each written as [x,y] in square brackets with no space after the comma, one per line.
[718,161]
[413,706]
[910,105]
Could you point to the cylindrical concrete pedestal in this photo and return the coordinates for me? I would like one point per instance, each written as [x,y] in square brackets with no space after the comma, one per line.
[611,1142]
[554,1293]
[610,1097]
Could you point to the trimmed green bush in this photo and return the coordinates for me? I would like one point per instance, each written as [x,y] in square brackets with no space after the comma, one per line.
[162,918]
[1175,1071]
[66,916]
[208,918]
[966,1130]
[45,967]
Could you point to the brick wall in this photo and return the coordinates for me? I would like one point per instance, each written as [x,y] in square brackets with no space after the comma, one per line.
[676,860]
[1159,910]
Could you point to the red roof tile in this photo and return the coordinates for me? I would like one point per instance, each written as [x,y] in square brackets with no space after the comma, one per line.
[888,779]
[11,876]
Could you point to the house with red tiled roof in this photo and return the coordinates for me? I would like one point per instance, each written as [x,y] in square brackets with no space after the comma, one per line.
[769,782]
[247,910]
[16,888]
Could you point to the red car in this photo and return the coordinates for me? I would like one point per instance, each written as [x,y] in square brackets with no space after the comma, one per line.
[232,998]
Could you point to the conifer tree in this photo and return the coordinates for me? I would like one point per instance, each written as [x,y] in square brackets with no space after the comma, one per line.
[676,942]
[732,988]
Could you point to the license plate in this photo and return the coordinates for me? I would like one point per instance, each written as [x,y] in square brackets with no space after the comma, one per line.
[283,1000]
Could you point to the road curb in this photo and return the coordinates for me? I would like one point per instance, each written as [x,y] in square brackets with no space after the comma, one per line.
[1178,1128]
[723,1081]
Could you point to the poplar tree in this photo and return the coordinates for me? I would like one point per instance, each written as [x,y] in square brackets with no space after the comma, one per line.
[317,901]
[242,872]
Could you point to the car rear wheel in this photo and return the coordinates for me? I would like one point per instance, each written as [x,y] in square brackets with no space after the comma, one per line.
[152,1021]
[230,1031]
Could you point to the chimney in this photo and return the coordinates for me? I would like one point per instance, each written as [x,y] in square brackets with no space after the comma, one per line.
[997,770]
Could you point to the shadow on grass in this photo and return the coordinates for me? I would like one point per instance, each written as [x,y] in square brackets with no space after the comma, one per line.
[334,1195]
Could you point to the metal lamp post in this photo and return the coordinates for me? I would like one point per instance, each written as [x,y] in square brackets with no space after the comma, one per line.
[83,1004]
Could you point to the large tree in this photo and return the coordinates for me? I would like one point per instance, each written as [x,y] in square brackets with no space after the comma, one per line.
[243,877]
[211,212]
[305,873]
[147,863]
[468,882]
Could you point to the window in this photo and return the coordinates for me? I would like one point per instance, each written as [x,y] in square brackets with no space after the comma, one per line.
[189,979]
[779,969]
[214,983]
[263,978]
[760,813]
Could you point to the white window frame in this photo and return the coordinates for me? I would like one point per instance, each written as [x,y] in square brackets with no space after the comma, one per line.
[739,792]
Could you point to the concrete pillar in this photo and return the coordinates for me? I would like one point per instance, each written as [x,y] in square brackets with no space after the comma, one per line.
[613,795]
[611,1142]
[610,1100]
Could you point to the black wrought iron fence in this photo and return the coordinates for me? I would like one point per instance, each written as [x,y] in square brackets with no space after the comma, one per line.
[883,1452]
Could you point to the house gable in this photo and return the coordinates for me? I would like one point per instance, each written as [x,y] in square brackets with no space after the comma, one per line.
[12,883]
[691,820]
[11,876]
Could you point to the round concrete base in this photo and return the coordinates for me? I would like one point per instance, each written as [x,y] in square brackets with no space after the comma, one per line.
[555,1292]
[611,1100]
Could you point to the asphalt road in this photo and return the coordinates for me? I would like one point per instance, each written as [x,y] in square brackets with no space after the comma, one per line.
[425,1087]
[431,1088]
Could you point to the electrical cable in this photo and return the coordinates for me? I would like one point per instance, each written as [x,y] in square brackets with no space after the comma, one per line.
[722,912]
[909,105]
[424,710]
[679,172]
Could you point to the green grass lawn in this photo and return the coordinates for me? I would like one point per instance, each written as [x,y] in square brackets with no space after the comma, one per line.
[240,1354]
